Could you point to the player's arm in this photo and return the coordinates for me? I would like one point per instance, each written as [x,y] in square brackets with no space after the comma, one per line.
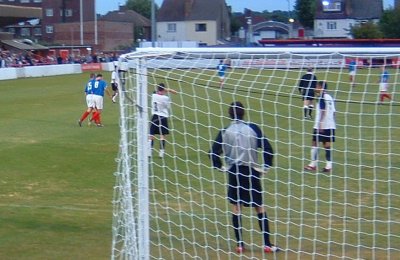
[216,151]
[170,90]
[108,92]
[264,144]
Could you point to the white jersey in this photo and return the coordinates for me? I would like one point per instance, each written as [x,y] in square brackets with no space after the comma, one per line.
[326,104]
[160,105]
[114,76]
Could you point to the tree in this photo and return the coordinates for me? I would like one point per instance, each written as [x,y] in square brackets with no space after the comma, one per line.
[278,16]
[369,30]
[142,7]
[389,23]
[305,12]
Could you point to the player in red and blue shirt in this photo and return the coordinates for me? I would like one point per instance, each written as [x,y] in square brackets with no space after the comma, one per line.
[384,86]
[98,89]
[89,99]
[221,68]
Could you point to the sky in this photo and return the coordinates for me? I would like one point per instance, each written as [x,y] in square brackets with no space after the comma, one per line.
[103,6]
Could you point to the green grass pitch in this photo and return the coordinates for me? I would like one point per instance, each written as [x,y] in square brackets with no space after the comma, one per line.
[56,179]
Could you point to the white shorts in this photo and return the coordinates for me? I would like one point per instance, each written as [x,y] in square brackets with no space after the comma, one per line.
[98,101]
[89,100]
[352,73]
[383,86]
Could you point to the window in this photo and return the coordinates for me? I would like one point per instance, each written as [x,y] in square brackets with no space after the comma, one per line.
[37,1]
[25,32]
[67,12]
[333,7]
[49,29]
[25,1]
[201,27]
[11,0]
[171,27]
[11,30]
[37,31]
[49,12]
[331,25]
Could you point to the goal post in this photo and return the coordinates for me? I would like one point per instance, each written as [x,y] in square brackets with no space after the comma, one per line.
[176,207]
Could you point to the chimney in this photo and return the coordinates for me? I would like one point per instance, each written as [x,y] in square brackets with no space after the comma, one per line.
[187,7]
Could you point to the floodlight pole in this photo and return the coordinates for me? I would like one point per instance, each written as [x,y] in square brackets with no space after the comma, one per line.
[153,24]
[81,20]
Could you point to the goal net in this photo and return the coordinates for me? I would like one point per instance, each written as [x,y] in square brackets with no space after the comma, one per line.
[176,207]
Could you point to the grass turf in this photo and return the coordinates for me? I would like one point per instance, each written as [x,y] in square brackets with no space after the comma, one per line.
[56,178]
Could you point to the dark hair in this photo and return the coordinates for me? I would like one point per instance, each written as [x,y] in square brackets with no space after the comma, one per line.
[323,84]
[99,75]
[236,110]
[160,87]
[310,69]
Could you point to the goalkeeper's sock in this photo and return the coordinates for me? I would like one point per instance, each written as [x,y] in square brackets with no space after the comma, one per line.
[264,227]
[237,228]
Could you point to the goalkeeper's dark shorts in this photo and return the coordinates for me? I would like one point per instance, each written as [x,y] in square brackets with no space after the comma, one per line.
[159,125]
[244,186]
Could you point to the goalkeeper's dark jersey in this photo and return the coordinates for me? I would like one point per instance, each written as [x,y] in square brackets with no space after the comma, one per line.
[239,143]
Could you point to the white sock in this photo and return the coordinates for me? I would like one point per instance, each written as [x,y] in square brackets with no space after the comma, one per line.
[314,153]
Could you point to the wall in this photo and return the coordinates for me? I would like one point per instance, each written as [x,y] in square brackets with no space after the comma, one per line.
[47,70]
[39,71]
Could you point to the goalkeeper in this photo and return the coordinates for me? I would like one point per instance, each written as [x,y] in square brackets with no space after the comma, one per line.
[239,143]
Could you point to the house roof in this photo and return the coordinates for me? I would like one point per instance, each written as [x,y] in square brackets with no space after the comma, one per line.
[353,9]
[126,16]
[189,10]
[24,45]
[15,14]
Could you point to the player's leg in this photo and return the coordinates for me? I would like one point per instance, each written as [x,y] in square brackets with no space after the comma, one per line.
[164,131]
[264,227]
[328,138]
[154,129]
[312,166]
[237,227]
[150,145]
[305,106]
[162,146]
[310,107]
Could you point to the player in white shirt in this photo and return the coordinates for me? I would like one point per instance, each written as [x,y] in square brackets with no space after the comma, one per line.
[160,109]
[324,128]
[114,84]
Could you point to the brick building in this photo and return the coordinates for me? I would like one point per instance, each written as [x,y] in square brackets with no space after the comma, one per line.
[54,12]
[109,36]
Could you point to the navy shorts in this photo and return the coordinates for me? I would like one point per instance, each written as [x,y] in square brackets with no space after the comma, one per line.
[327,135]
[244,186]
[308,94]
[159,125]
[114,86]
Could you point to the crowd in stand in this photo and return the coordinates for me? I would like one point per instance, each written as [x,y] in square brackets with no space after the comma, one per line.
[9,59]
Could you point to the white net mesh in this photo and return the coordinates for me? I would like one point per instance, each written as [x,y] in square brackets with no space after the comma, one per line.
[352,212]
